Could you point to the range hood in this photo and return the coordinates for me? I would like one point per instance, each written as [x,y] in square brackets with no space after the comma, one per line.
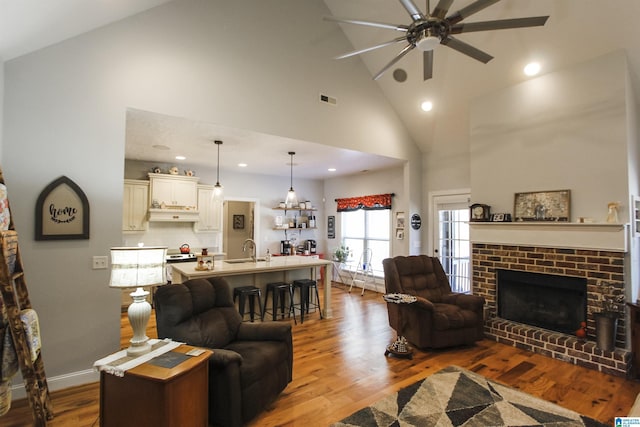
[173,215]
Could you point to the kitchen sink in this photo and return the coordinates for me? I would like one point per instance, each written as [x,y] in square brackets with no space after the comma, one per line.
[242,260]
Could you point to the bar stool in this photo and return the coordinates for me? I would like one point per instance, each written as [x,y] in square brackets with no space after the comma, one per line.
[305,285]
[250,292]
[279,291]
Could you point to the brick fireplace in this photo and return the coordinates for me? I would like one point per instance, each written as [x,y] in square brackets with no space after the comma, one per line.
[604,271]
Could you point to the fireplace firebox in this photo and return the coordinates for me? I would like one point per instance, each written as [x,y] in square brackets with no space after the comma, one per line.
[553,302]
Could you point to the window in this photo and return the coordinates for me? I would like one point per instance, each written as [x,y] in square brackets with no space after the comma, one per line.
[367,229]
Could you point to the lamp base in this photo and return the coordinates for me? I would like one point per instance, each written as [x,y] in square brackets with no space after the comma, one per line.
[138,349]
[139,312]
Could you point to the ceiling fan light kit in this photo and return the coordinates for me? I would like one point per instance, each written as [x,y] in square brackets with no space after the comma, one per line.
[432,28]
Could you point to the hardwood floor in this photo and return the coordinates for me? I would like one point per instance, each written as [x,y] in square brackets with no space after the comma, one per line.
[340,367]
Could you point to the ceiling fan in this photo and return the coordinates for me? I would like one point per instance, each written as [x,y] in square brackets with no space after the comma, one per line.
[432,28]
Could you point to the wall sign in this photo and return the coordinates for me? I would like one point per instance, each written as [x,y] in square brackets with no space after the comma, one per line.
[416,221]
[331,227]
[62,212]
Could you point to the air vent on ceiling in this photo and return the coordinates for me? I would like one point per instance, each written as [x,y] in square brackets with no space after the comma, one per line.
[328,99]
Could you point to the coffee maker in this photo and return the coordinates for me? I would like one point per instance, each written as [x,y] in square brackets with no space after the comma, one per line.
[310,246]
[285,247]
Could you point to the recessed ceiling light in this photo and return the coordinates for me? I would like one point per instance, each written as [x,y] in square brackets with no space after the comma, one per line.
[532,68]
[331,169]
[181,158]
[426,106]
[242,165]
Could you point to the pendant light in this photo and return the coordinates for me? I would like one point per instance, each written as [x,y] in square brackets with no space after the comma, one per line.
[218,190]
[291,200]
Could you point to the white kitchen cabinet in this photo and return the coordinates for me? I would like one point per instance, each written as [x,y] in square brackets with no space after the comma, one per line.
[134,205]
[174,190]
[209,211]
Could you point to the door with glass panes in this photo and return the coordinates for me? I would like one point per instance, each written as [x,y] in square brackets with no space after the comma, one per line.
[451,239]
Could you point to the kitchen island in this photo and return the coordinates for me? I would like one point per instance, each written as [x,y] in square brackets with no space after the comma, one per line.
[242,272]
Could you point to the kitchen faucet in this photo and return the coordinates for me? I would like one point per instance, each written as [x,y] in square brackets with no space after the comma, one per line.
[253,248]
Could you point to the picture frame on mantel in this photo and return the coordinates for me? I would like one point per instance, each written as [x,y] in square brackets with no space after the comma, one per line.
[545,206]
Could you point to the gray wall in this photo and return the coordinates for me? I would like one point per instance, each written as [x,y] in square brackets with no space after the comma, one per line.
[65,109]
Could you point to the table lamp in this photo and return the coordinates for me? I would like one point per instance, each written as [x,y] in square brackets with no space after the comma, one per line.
[135,267]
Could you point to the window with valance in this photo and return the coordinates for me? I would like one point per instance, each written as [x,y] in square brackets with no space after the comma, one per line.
[374,202]
[365,226]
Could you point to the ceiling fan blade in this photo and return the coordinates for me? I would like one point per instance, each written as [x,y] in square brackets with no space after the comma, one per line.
[467,49]
[368,23]
[466,12]
[442,8]
[502,24]
[427,67]
[367,49]
[412,9]
[398,57]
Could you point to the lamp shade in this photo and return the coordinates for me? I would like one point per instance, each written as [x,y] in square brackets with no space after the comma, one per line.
[133,267]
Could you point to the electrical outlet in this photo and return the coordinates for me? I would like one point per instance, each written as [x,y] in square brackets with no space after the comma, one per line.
[99,262]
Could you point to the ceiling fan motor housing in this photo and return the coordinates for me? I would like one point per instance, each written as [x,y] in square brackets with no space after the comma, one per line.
[426,34]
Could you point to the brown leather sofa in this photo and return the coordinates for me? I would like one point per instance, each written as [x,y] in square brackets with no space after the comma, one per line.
[439,318]
[251,363]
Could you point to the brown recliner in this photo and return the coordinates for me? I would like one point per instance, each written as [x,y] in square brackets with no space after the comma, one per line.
[251,363]
[439,318]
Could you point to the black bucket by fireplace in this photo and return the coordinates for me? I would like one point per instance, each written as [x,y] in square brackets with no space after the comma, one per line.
[557,303]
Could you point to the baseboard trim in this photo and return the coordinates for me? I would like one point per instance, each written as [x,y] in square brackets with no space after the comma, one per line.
[59,382]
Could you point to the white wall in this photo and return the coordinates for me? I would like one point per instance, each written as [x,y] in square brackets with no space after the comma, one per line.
[563,130]
[633,148]
[65,109]
[1,105]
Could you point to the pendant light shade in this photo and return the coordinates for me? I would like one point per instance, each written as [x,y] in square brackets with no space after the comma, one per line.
[218,189]
[291,199]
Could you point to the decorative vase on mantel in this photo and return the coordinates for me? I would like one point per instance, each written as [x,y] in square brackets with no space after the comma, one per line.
[606,329]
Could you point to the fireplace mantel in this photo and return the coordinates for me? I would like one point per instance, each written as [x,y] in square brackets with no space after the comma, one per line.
[597,236]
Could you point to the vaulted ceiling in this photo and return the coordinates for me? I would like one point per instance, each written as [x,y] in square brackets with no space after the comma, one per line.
[576,31]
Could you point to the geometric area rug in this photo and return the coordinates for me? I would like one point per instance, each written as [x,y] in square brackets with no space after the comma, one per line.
[457,397]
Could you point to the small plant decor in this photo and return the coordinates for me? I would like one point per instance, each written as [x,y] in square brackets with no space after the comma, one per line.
[342,253]
[612,302]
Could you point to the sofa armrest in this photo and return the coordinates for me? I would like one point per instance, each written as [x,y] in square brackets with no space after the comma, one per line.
[222,358]
[264,332]
[466,301]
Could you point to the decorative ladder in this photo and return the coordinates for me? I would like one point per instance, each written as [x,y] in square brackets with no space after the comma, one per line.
[15,298]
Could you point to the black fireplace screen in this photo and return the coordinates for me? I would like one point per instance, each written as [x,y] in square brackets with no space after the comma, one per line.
[557,303]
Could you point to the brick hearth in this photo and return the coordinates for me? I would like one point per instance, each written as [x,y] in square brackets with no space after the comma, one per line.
[604,271]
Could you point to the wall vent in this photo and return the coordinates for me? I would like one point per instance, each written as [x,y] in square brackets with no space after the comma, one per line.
[328,99]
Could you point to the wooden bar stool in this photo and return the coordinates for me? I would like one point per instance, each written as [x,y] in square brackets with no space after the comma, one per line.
[250,292]
[279,291]
[306,300]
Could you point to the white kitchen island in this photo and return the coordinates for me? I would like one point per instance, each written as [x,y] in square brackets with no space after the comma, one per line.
[259,273]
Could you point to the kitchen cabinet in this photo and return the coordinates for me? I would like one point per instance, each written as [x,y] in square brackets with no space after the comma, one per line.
[174,190]
[209,211]
[134,205]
